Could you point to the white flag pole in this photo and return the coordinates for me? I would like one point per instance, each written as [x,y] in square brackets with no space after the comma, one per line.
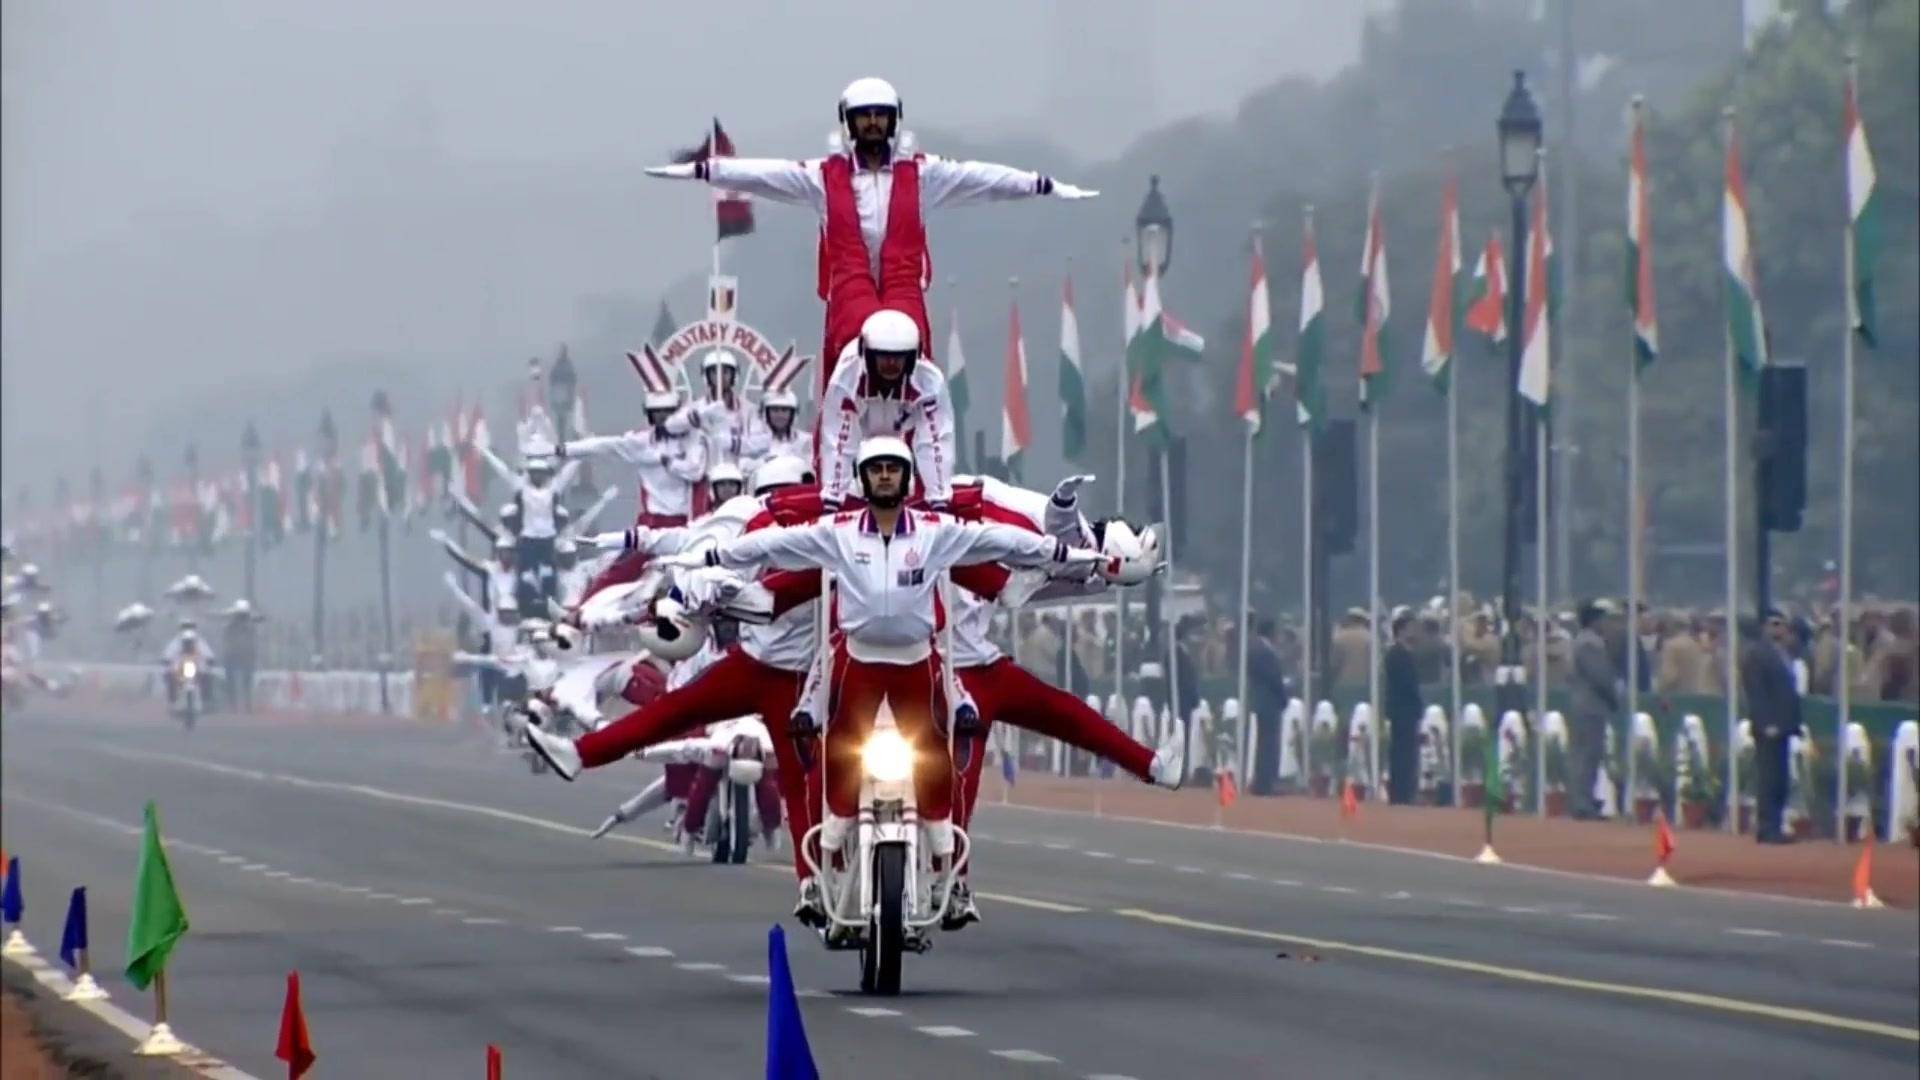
[1120,483]
[1373,601]
[1246,605]
[1453,565]
[1843,685]
[1731,649]
[1543,613]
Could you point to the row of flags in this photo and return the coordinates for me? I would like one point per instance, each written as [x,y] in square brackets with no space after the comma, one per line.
[1477,298]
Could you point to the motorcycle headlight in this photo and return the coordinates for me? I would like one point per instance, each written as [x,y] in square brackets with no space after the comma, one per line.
[188,670]
[887,756]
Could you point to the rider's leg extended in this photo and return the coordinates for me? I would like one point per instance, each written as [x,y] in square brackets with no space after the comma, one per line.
[1026,701]
[912,691]
[730,688]
[706,781]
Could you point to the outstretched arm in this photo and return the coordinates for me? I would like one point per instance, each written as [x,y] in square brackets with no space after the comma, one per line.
[565,477]
[473,516]
[793,182]
[959,183]
[473,606]
[471,564]
[799,547]
[500,467]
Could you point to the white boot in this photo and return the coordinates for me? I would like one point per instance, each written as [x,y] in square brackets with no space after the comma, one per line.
[1169,768]
[811,911]
[555,751]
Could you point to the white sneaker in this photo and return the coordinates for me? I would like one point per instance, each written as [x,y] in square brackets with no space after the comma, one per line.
[961,910]
[1169,768]
[810,910]
[555,751]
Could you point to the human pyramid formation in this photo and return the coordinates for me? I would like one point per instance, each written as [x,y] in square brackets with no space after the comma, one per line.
[792,593]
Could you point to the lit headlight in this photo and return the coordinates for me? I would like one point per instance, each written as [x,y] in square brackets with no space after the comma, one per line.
[887,756]
[188,670]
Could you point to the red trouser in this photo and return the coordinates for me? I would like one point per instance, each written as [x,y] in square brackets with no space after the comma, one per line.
[630,565]
[767,794]
[1005,692]
[913,692]
[736,685]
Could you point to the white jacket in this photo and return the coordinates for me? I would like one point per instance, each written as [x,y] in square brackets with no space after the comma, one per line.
[668,465]
[885,597]
[762,445]
[919,411]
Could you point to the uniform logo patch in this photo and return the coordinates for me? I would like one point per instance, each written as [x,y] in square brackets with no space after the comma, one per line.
[906,578]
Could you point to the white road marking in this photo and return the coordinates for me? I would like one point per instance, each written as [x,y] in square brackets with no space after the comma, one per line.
[1098,854]
[701,965]
[1109,1076]
[1288,882]
[1747,931]
[1239,875]
[1401,895]
[606,935]
[217,853]
[811,993]
[1040,905]
[650,951]
[1015,843]
[1518,909]
[1138,861]
[363,889]
[254,866]
[450,911]
[1032,1057]
[1596,916]
[871,1011]
[382,896]
[279,873]
[1190,869]
[1055,845]
[1845,943]
[300,881]
[944,1031]
[231,860]
[749,980]
[415,901]
[196,1059]
[563,929]
[1338,889]
[1456,901]
[482,920]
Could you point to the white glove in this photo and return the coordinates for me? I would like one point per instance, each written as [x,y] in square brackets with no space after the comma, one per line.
[1063,191]
[1066,491]
[684,171]
[685,560]
[608,541]
[438,536]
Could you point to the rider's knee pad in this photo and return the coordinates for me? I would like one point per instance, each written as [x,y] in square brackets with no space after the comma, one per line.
[940,837]
[833,832]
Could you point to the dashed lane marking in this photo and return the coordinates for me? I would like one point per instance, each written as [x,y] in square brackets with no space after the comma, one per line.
[606,935]
[1288,882]
[1540,978]
[750,980]
[1845,943]
[415,901]
[1748,931]
[1029,902]
[649,951]
[1596,916]
[944,1031]
[563,929]
[1098,854]
[872,1011]
[701,965]
[1342,889]
[1137,860]
[483,920]
[1031,1057]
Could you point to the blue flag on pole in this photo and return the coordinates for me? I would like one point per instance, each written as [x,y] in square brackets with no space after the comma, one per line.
[788,1055]
[10,898]
[74,937]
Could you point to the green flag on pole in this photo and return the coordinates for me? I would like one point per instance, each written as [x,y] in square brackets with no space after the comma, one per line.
[158,919]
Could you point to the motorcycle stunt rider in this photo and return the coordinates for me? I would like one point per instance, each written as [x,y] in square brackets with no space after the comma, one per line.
[775,431]
[537,496]
[669,464]
[887,563]
[186,642]
[887,389]
[870,196]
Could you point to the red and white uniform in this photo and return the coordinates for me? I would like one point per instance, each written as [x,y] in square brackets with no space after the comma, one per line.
[918,411]
[886,616]
[668,466]
[720,424]
[873,244]
[763,444]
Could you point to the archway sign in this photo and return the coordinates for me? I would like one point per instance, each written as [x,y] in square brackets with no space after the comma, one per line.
[676,364]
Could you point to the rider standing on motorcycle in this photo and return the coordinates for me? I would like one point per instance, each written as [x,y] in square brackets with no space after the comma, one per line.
[887,563]
[187,642]
[870,196]
[669,464]
[887,389]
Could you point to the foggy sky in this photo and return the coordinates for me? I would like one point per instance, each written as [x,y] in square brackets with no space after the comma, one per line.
[203,197]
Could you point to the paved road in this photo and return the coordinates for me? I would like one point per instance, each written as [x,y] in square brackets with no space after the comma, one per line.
[435,897]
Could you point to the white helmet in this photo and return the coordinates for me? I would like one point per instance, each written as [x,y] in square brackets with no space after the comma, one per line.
[725,472]
[890,331]
[870,93]
[713,366]
[883,448]
[1130,558]
[660,399]
[780,399]
[719,358]
[779,472]
[670,632]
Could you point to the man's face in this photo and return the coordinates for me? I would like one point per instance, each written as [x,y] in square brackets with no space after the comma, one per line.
[872,124]
[1778,631]
[539,477]
[780,419]
[891,367]
[725,489]
[886,481]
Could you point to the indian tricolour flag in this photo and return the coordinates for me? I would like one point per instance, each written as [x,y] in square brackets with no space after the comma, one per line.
[1646,330]
[1487,296]
[957,373]
[1309,399]
[1746,324]
[1443,303]
[1255,377]
[1863,215]
[1156,337]
[1073,387]
[1374,304]
[1536,355]
[1016,429]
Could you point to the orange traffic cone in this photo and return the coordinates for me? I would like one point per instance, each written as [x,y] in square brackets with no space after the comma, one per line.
[1225,789]
[1349,803]
[1662,852]
[1863,874]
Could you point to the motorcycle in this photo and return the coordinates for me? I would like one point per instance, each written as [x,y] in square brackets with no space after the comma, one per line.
[189,677]
[888,895]
[729,824]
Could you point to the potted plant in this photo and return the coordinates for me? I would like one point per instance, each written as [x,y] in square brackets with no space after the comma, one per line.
[1748,785]
[1473,766]
[1556,793]
[1322,742]
[1859,795]
[1702,789]
[1650,779]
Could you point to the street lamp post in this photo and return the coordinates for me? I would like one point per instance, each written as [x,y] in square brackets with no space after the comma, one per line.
[250,457]
[150,522]
[326,467]
[1153,247]
[1519,127]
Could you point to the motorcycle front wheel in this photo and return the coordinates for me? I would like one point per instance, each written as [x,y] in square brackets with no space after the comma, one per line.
[880,957]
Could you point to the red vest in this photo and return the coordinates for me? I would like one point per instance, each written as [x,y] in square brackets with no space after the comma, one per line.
[846,282]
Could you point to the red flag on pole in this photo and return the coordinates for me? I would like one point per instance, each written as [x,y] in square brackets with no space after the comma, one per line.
[294,1047]
[733,213]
